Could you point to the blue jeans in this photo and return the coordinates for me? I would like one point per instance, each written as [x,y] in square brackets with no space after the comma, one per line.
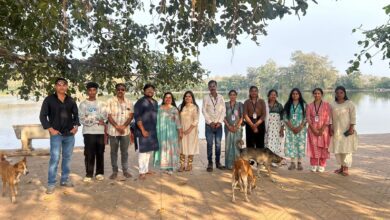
[60,144]
[211,136]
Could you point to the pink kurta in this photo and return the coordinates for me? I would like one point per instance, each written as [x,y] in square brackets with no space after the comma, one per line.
[317,146]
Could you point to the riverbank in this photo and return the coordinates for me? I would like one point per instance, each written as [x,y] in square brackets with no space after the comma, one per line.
[365,194]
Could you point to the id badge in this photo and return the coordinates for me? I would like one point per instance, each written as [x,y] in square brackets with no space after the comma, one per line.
[317,118]
[254,116]
[295,116]
[233,117]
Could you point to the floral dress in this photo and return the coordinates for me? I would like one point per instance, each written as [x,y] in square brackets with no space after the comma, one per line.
[274,122]
[295,144]
[168,123]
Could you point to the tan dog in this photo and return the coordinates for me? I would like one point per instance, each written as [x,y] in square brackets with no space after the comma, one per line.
[262,156]
[243,174]
[11,174]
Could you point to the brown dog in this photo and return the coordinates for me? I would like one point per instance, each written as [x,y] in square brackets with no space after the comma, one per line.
[11,174]
[262,156]
[243,174]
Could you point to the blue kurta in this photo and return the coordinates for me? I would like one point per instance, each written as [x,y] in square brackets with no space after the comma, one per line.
[145,110]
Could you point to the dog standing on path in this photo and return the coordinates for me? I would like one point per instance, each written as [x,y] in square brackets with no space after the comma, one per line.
[10,174]
[262,156]
[243,174]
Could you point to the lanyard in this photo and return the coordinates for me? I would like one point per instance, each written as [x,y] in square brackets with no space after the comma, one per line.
[315,108]
[254,106]
[216,101]
[232,109]
[295,107]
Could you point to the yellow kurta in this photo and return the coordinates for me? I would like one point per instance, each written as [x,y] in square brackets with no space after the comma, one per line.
[343,115]
[190,116]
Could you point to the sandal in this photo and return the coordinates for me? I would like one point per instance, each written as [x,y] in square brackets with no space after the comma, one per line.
[339,171]
[300,167]
[292,166]
[345,171]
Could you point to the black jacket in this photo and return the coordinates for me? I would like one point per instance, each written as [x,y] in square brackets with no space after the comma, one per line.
[62,116]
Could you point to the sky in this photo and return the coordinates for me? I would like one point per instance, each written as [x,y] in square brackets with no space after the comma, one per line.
[326,29]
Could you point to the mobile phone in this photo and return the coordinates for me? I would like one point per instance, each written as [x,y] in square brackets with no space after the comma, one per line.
[346,134]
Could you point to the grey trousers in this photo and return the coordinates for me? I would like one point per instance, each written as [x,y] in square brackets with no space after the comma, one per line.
[122,143]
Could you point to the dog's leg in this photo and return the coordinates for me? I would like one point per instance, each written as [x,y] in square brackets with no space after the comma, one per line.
[245,183]
[4,186]
[269,173]
[12,190]
[16,188]
[234,184]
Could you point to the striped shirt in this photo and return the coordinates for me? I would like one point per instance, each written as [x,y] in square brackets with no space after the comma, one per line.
[120,112]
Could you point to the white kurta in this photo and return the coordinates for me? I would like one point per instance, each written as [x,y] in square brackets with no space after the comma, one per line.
[190,116]
[343,115]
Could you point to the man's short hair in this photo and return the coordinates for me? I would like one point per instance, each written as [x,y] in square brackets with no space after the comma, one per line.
[148,85]
[211,82]
[60,79]
[92,85]
[119,85]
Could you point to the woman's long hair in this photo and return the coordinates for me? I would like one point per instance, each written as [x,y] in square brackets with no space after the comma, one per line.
[173,99]
[288,104]
[183,103]
[343,89]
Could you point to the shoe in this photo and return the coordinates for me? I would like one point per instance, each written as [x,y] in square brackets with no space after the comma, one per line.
[67,184]
[210,167]
[114,175]
[50,189]
[292,166]
[274,165]
[99,177]
[87,179]
[300,167]
[127,174]
[339,171]
[313,169]
[220,166]
[321,169]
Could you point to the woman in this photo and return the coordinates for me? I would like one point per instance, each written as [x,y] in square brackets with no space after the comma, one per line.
[274,124]
[295,120]
[318,138]
[233,130]
[168,133]
[344,137]
[189,114]
[254,115]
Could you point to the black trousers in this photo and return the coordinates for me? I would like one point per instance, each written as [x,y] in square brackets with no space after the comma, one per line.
[255,140]
[94,151]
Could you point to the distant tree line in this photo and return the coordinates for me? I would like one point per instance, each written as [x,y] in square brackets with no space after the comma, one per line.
[306,71]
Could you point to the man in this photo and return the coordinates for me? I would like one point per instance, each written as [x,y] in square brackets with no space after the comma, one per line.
[59,115]
[93,116]
[214,111]
[120,114]
[145,115]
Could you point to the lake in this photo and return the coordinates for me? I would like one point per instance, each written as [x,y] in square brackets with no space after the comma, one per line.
[372,115]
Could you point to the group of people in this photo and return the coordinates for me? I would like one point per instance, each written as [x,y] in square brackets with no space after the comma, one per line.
[169,133]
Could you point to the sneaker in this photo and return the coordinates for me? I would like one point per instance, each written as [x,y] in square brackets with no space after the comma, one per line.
[50,189]
[321,169]
[99,177]
[210,167]
[114,175]
[313,169]
[126,174]
[87,179]
[67,184]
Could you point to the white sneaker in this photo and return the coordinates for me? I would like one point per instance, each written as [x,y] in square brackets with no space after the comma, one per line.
[99,177]
[321,169]
[87,179]
[313,168]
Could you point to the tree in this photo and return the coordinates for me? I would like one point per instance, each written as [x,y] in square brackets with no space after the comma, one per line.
[351,81]
[100,40]
[264,76]
[377,41]
[311,70]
